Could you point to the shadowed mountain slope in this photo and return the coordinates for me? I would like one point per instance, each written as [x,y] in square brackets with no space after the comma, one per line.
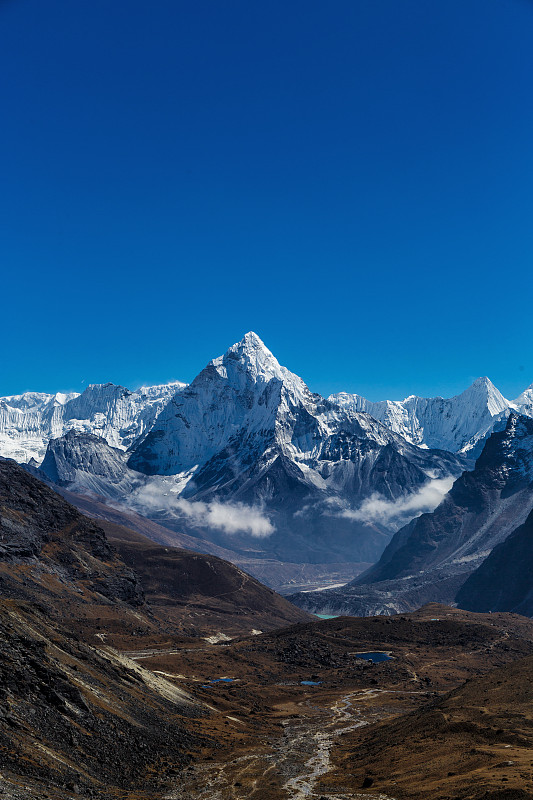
[79,720]
[200,593]
[504,581]
[431,557]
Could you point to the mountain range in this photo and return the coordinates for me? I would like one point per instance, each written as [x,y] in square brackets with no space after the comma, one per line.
[459,424]
[462,551]
[29,420]
[131,666]
[246,457]
[247,461]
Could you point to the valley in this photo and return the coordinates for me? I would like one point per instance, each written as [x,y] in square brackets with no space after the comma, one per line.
[134,670]
[282,740]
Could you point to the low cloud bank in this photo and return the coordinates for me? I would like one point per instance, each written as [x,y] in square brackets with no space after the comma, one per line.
[231,518]
[377,509]
[228,517]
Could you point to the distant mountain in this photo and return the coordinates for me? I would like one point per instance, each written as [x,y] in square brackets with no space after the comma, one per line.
[123,417]
[504,581]
[459,424]
[86,463]
[249,459]
[431,557]
[524,402]
[28,421]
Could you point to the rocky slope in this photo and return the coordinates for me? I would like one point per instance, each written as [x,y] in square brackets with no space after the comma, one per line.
[431,557]
[80,720]
[49,550]
[474,742]
[198,594]
[87,464]
[75,718]
[504,581]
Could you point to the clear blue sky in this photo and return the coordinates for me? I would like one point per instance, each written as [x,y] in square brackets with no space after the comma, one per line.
[352,180]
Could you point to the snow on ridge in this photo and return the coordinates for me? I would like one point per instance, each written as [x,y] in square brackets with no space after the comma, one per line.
[457,424]
[28,421]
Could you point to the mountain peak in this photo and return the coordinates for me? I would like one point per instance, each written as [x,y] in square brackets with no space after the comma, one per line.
[525,400]
[250,356]
[483,389]
[484,385]
[483,381]
[251,339]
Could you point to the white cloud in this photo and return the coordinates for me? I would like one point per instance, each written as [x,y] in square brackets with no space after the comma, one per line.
[378,509]
[228,517]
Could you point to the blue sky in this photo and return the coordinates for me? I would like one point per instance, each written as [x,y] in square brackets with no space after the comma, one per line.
[352,180]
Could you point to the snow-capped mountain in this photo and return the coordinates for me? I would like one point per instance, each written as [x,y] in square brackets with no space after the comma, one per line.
[248,431]
[524,402]
[248,458]
[431,557]
[244,403]
[28,421]
[247,439]
[459,424]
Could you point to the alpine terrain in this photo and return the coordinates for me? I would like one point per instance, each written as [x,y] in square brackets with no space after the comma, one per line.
[431,557]
[245,458]
[248,463]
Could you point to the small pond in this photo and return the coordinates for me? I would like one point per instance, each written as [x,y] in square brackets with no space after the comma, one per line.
[310,683]
[375,658]
[216,680]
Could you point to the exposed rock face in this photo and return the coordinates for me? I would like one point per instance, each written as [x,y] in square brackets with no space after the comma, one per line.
[431,557]
[85,720]
[504,581]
